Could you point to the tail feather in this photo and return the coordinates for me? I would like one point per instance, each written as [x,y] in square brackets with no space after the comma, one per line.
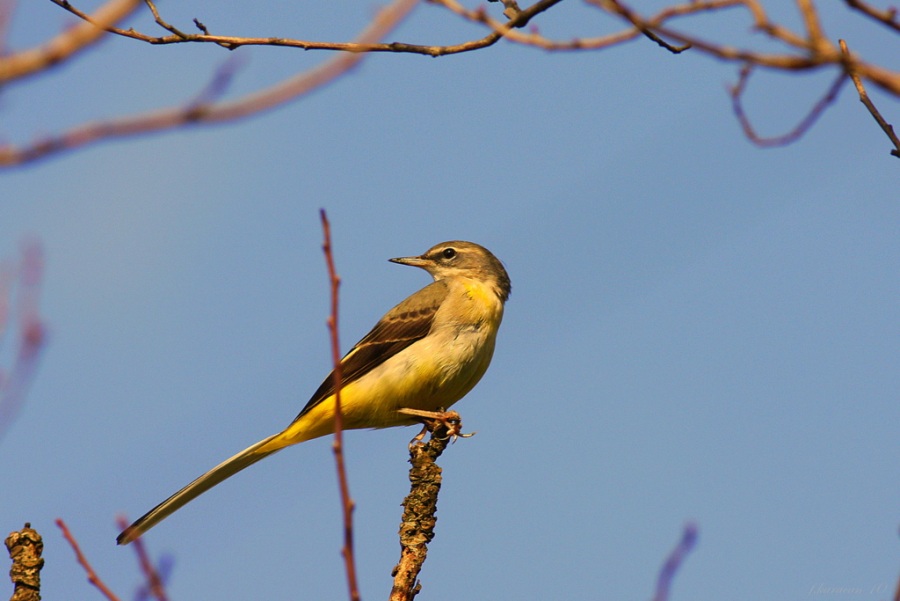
[224,470]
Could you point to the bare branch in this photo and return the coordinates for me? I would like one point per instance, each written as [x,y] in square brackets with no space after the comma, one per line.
[520,19]
[92,576]
[737,91]
[886,127]
[420,506]
[25,548]
[67,43]
[887,17]
[805,50]
[347,504]
[160,22]
[192,113]
[632,18]
[814,32]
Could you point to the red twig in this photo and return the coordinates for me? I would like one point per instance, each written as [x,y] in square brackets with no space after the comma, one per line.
[338,446]
[674,561]
[155,583]
[91,574]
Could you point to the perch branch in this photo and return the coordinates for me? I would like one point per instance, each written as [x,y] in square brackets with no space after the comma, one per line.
[25,548]
[419,507]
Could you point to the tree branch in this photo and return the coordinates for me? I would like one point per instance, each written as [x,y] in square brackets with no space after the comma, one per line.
[886,127]
[25,548]
[807,49]
[347,504]
[92,576]
[66,44]
[211,112]
[737,92]
[887,17]
[420,506]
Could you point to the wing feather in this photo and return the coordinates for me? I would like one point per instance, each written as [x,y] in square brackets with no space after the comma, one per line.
[406,323]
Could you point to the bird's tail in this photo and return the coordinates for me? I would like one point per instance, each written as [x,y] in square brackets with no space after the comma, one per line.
[224,470]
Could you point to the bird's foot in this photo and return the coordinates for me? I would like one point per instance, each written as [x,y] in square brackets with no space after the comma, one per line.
[443,425]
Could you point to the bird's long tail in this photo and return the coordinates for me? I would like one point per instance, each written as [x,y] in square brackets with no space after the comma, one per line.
[224,470]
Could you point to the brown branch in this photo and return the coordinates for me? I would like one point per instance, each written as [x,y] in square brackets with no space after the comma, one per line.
[347,503]
[790,62]
[886,127]
[92,576]
[814,33]
[67,43]
[808,49]
[644,29]
[737,92]
[520,19]
[887,17]
[25,548]
[420,506]
[213,112]
[160,22]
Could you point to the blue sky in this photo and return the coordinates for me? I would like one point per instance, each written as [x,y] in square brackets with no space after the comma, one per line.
[699,330]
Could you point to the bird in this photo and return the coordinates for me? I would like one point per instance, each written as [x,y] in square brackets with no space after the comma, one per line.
[424,355]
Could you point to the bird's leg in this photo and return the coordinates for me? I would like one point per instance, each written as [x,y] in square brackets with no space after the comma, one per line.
[441,424]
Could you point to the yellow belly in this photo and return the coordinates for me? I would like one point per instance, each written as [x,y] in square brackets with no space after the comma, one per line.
[431,374]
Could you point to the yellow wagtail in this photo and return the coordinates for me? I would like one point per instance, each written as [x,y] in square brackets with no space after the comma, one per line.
[424,354]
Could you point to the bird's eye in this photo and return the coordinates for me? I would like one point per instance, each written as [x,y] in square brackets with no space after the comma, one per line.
[449,253]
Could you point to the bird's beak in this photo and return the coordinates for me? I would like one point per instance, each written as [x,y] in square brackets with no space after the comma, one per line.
[414,261]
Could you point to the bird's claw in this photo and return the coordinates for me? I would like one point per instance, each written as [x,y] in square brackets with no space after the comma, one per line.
[443,425]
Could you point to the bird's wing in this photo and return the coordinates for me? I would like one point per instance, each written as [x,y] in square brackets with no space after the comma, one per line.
[401,326]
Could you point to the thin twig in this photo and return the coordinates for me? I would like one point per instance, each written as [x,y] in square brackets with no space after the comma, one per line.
[160,22]
[92,576]
[886,127]
[517,20]
[674,561]
[887,17]
[347,504]
[632,17]
[737,92]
